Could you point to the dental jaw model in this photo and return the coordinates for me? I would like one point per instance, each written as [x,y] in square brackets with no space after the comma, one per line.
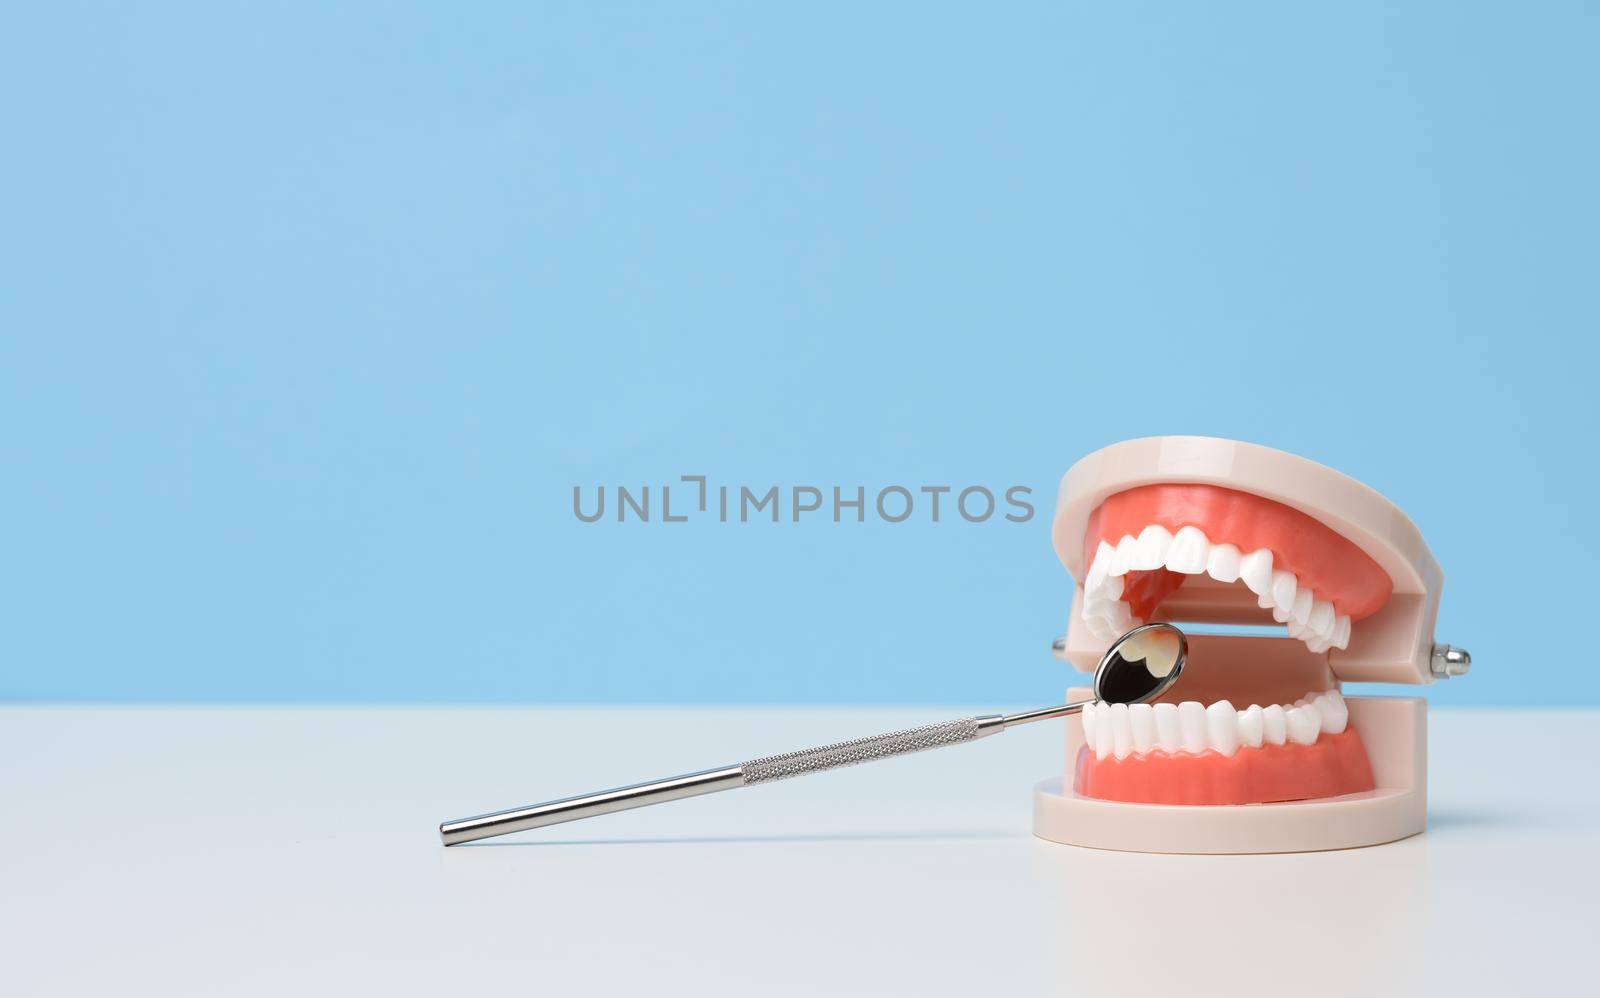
[1255,749]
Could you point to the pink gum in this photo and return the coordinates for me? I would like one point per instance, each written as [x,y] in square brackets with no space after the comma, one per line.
[1335,765]
[1334,568]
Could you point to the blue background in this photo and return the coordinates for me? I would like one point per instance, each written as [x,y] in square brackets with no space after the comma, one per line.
[313,318]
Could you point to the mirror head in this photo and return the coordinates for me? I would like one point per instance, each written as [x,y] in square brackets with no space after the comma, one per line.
[1141,665]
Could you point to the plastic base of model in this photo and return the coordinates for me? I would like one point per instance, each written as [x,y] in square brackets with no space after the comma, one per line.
[1394,731]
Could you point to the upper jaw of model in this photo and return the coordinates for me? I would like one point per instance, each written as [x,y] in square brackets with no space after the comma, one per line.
[1143,544]
[1212,531]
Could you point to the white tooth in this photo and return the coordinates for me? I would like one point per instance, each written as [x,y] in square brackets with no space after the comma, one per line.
[1317,645]
[1222,727]
[1321,622]
[1252,726]
[1295,630]
[1104,741]
[1104,554]
[1283,589]
[1279,613]
[1121,731]
[1302,607]
[1100,628]
[1133,649]
[1304,724]
[1223,563]
[1192,726]
[1189,551]
[1095,606]
[1142,721]
[1151,550]
[1086,718]
[1335,714]
[1169,734]
[1160,654]
[1106,587]
[1106,618]
[1124,555]
[1255,569]
[1341,632]
[1274,725]
[1099,568]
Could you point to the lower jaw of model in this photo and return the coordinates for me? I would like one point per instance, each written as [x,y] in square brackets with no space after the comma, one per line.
[1245,725]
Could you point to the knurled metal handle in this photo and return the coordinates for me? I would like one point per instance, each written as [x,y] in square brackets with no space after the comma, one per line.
[764,770]
[859,750]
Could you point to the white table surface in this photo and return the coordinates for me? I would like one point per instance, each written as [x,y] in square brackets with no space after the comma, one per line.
[232,851]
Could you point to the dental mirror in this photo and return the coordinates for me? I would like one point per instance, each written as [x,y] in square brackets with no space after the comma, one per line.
[1139,666]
